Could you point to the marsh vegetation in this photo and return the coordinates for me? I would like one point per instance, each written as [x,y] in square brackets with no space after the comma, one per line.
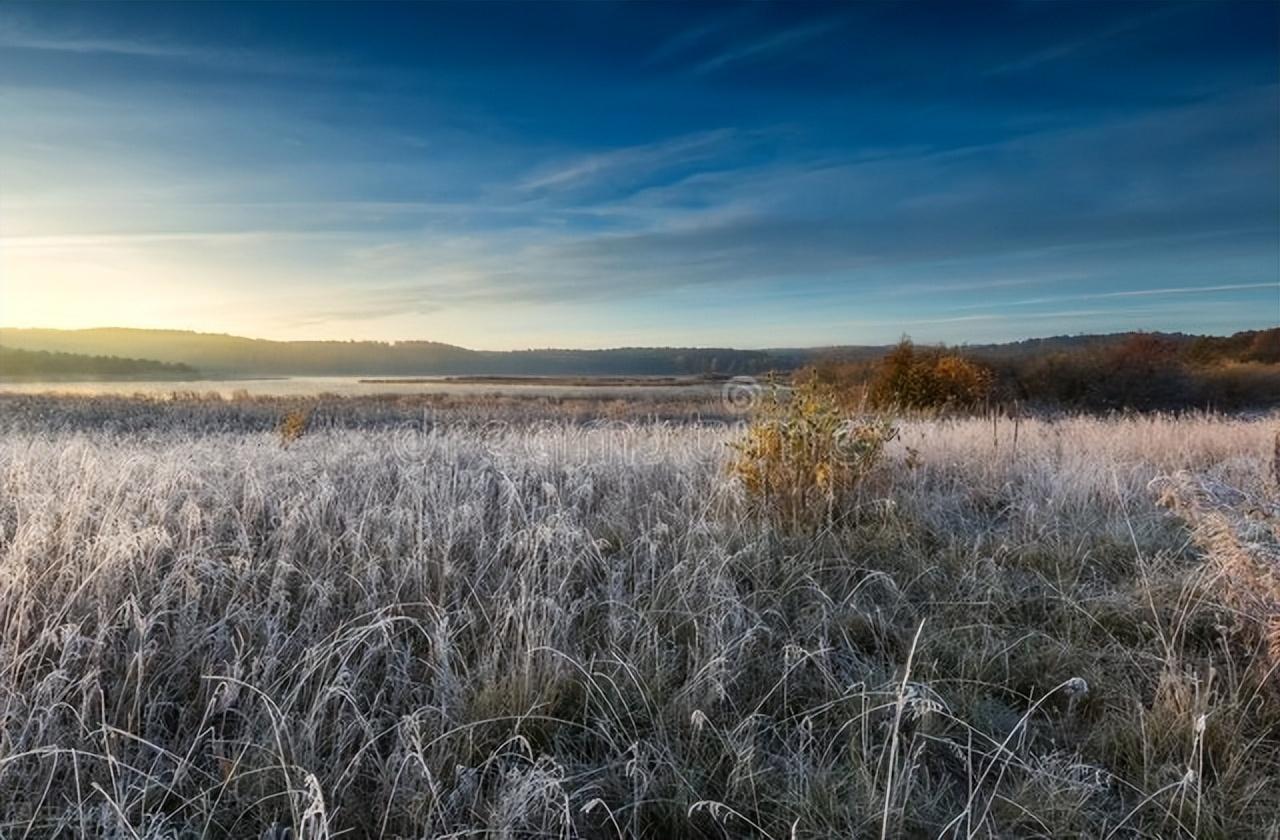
[575,622]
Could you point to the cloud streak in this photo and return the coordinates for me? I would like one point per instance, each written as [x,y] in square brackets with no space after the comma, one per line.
[1141,293]
[632,161]
[16,36]
[1066,49]
[770,45]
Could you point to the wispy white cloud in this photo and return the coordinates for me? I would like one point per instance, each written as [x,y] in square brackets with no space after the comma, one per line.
[116,46]
[631,160]
[988,316]
[1135,293]
[1066,49]
[1230,287]
[62,242]
[770,45]
[688,39]
[15,36]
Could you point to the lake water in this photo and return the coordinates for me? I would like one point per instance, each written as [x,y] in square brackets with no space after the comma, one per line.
[352,386]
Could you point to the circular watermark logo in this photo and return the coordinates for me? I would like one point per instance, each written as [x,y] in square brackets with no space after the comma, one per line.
[494,437]
[411,443]
[742,393]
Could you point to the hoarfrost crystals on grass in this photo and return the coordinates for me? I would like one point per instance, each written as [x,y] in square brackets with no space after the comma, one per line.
[553,629]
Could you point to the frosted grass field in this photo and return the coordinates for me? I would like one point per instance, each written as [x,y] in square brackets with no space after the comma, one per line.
[545,628]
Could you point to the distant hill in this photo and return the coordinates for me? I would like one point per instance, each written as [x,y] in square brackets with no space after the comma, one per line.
[228,355]
[222,355]
[42,364]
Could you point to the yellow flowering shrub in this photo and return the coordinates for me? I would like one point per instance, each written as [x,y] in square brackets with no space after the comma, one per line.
[803,454]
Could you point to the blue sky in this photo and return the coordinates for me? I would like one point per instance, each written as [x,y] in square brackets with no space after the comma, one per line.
[595,174]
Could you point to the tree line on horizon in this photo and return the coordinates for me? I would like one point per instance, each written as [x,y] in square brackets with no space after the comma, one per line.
[234,356]
[1141,372]
[19,364]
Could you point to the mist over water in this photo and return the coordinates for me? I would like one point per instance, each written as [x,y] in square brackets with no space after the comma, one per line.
[348,386]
